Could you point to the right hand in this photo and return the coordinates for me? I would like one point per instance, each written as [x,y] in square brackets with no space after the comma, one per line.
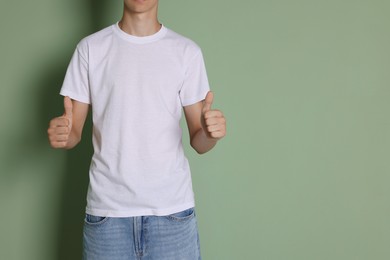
[60,127]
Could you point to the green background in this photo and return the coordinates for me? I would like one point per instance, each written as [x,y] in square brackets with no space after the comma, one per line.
[304,170]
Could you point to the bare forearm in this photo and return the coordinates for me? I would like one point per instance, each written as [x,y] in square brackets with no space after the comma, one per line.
[202,143]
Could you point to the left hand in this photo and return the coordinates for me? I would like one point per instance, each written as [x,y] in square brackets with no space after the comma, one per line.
[213,120]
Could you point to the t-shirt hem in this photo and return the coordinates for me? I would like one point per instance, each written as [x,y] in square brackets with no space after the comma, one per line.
[75,96]
[191,101]
[141,212]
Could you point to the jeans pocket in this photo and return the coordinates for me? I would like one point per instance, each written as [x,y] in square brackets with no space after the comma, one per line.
[94,220]
[182,215]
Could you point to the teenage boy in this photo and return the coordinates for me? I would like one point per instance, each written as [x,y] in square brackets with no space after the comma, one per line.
[138,75]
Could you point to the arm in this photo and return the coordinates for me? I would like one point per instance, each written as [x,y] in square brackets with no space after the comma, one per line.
[65,131]
[205,126]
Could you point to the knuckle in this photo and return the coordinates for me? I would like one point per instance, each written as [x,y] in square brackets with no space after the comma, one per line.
[58,144]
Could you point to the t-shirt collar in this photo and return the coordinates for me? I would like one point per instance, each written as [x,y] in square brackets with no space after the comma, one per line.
[140,39]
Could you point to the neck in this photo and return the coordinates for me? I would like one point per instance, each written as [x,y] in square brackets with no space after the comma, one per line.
[139,24]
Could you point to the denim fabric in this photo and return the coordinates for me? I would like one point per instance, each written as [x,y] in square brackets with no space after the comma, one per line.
[172,237]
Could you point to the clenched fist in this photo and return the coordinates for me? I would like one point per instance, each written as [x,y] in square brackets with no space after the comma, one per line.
[60,127]
[213,120]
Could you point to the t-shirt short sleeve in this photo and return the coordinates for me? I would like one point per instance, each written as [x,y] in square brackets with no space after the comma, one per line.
[195,85]
[76,83]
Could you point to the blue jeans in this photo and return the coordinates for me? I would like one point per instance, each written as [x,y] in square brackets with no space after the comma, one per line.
[142,238]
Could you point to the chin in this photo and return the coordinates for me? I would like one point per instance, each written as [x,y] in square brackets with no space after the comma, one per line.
[140,6]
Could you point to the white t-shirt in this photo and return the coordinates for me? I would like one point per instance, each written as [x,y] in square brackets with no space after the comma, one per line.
[137,87]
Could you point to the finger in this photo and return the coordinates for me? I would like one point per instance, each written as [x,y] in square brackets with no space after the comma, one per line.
[215,121]
[213,113]
[208,101]
[62,130]
[59,138]
[214,128]
[52,132]
[68,107]
[56,144]
[59,121]
[62,138]
[217,134]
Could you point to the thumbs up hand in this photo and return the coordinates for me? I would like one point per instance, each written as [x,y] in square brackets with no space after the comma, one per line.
[213,120]
[60,127]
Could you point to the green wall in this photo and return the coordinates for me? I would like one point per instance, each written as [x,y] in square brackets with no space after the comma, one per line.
[304,171]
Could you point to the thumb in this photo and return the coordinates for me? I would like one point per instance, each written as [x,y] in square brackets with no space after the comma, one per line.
[208,101]
[68,107]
